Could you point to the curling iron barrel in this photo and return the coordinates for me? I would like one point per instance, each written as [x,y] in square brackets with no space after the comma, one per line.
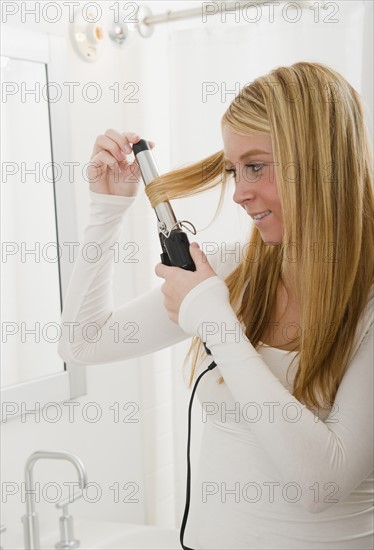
[174,241]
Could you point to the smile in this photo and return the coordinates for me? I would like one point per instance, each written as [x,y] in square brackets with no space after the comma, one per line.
[261,215]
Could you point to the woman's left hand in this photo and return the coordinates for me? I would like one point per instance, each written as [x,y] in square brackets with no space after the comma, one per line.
[178,281]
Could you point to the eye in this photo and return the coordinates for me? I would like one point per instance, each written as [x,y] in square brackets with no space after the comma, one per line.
[255,167]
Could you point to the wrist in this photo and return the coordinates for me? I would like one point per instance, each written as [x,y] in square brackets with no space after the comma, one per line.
[206,305]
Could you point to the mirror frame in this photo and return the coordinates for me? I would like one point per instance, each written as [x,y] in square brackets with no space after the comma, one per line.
[71,383]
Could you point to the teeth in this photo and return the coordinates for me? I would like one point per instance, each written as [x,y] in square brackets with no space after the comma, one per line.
[262,215]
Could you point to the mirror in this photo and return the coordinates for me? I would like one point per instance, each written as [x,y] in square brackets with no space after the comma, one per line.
[30,295]
[37,213]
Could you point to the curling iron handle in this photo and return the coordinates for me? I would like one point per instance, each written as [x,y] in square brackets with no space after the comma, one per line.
[176,249]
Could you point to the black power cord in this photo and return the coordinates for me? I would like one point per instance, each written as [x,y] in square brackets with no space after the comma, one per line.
[188,488]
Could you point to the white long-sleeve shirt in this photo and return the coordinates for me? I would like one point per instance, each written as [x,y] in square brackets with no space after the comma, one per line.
[271,474]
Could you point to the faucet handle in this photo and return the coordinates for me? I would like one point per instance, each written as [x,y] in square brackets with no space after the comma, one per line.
[67,539]
[76,495]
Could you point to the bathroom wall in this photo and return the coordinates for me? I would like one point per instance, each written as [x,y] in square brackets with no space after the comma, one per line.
[171,71]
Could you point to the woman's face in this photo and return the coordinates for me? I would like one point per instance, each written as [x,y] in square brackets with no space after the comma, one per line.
[250,159]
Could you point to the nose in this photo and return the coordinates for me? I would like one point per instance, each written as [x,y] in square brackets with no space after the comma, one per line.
[244,187]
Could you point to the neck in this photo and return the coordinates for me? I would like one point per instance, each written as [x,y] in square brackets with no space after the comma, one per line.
[288,281]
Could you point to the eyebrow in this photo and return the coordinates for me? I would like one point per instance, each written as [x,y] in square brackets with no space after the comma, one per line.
[251,152]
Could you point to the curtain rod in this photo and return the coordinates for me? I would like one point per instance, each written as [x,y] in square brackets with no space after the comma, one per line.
[210,8]
[146,19]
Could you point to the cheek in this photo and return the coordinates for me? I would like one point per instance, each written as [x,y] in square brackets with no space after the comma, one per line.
[273,196]
[277,202]
[276,206]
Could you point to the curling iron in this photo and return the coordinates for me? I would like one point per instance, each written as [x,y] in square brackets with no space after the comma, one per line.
[174,241]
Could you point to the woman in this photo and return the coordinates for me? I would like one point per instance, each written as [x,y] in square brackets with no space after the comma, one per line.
[287,456]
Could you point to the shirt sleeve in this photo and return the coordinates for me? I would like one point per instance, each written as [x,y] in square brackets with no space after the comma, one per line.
[92,329]
[327,459]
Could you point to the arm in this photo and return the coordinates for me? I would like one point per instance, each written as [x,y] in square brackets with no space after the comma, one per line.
[92,329]
[333,456]
[136,328]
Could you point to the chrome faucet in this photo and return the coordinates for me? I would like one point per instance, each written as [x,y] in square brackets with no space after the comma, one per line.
[30,520]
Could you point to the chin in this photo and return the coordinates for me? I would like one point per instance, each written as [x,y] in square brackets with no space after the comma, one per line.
[271,239]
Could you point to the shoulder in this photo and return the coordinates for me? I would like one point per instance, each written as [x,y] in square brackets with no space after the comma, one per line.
[224,257]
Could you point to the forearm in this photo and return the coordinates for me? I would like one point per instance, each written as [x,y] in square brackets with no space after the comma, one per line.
[94,330]
[89,300]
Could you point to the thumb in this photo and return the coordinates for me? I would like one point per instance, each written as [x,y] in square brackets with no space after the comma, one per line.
[198,255]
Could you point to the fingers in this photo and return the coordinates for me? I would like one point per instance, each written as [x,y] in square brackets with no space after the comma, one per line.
[162,270]
[105,142]
[118,145]
[111,149]
[133,167]
[103,158]
[127,138]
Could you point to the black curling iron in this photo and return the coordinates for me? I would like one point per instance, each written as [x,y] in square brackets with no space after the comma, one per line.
[174,241]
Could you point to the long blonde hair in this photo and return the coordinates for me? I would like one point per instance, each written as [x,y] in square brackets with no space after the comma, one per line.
[323,169]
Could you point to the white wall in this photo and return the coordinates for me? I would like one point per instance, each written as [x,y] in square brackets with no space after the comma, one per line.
[169,68]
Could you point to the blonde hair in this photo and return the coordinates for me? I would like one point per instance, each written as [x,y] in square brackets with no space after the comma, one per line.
[323,169]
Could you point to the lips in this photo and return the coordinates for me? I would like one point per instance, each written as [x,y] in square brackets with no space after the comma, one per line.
[260,215]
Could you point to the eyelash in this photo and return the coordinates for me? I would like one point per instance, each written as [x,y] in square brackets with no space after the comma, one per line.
[233,171]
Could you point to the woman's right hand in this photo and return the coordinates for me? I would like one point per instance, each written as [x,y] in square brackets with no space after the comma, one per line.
[109,171]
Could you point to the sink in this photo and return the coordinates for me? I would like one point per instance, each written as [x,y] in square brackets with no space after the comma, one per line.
[106,535]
